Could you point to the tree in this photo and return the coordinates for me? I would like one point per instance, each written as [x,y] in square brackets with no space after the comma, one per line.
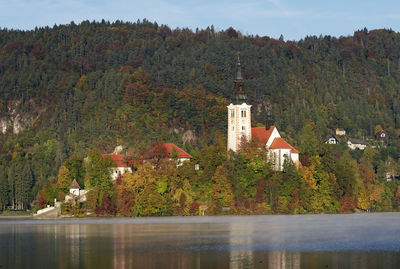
[23,188]
[347,176]
[309,141]
[98,171]
[223,190]
[64,180]
[76,169]
[107,206]
[3,188]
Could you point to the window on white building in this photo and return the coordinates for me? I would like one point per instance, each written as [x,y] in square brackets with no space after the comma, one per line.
[243,128]
[232,113]
[243,112]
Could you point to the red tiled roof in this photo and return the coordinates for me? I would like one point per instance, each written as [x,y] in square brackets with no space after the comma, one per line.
[169,150]
[261,135]
[74,185]
[119,159]
[280,143]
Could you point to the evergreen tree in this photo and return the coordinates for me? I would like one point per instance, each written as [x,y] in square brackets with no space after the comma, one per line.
[3,188]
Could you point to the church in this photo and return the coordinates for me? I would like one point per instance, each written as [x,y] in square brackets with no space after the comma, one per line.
[239,128]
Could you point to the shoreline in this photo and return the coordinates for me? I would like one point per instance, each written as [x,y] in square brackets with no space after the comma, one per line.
[65,217]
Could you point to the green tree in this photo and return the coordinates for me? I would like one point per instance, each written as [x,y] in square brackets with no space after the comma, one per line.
[3,188]
[347,176]
[309,141]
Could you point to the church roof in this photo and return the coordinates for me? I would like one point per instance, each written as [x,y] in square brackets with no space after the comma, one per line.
[280,143]
[261,135]
[74,185]
[119,159]
[169,149]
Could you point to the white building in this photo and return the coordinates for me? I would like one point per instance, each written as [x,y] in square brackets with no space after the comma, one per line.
[121,165]
[74,188]
[332,140]
[239,129]
[239,125]
[340,131]
[76,193]
[239,115]
[356,144]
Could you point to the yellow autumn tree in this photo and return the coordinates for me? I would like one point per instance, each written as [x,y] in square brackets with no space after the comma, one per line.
[222,191]
[63,179]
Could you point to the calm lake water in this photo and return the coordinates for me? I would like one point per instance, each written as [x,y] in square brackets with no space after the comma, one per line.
[306,241]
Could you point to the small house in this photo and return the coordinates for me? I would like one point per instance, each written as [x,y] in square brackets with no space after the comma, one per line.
[173,151]
[340,131]
[332,140]
[121,165]
[168,151]
[76,193]
[353,144]
[381,135]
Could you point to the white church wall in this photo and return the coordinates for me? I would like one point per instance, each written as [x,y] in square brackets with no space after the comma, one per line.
[239,125]
[74,191]
[295,157]
[273,135]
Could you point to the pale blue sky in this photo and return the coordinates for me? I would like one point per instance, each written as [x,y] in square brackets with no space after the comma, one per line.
[293,19]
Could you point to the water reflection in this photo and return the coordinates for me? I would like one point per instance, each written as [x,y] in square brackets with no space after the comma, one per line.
[248,242]
[283,260]
[241,241]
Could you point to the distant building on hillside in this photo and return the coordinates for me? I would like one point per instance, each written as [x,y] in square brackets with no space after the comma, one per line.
[332,140]
[121,165]
[239,128]
[353,144]
[168,151]
[381,135]
[340,131]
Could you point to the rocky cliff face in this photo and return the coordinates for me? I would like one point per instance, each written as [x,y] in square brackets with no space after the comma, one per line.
[16,120]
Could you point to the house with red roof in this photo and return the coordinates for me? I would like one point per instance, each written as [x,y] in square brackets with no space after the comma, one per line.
[239,128]
[121,165]
[172,151]
[168,151]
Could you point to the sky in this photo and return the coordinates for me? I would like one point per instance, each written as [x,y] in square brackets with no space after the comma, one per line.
[294,19]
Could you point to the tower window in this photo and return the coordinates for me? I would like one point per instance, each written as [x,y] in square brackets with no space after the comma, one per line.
[243,112]
[233,128]
[232,113]
[243,128]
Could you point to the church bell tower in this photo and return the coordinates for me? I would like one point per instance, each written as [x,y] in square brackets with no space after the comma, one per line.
[239,114]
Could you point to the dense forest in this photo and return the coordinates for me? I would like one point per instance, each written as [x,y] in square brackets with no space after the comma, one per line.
[72,91]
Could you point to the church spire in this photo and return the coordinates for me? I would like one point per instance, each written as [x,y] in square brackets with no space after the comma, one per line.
[239,95]
[239,70]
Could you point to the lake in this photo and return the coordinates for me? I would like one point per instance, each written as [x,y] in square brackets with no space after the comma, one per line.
[298,241]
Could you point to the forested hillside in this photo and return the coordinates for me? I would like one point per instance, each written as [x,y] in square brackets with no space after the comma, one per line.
[69,89]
